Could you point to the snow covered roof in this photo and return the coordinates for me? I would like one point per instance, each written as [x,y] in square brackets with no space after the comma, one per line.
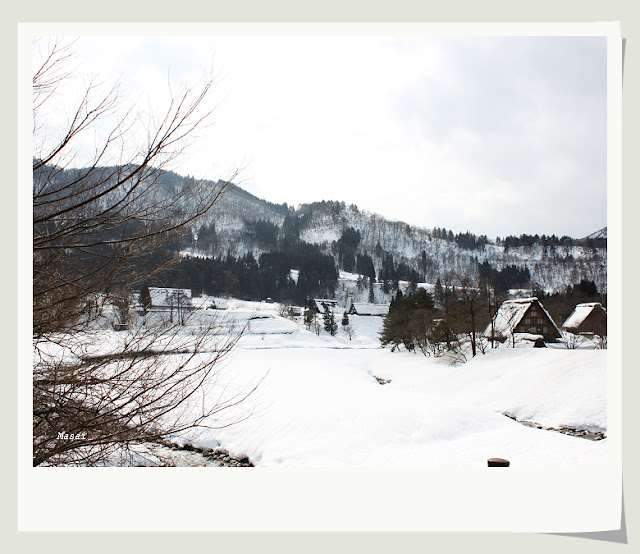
[509,315]
[320,301]
[511,312]
[371,309]
[580,313]
[161,296]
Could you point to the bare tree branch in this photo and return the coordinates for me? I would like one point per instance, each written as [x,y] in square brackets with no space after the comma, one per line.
[99,231]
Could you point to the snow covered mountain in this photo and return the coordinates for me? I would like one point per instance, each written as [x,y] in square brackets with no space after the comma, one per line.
[241,223]
[601,234]
[552,262]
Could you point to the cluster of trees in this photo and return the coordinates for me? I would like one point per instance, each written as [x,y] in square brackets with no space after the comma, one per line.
[250,279]
[410,321]
[509,277]
[291,230]
[329,207]
[594,243]
[345,249]
[561,304]
[467,240]
[206,237]
[442,233]
[365,267]
[434,323]
[534,240]
[263,232]
[392,272]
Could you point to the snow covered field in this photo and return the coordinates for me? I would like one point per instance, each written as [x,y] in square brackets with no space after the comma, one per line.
[319,404]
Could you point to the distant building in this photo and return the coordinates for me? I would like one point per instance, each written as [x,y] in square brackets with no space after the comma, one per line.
[324,304]
[587,319]
[369,309]
[525,315]
[167,299]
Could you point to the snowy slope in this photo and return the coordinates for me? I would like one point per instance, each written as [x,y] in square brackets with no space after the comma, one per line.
[343,401]
[551,268]
[601,234]
[326,409]
[319,403]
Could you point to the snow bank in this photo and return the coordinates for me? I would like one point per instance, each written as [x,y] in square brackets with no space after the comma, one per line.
[553,387]
[324,408]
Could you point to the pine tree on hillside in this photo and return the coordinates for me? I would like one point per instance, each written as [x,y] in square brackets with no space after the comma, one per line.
[438,293]
[345,319]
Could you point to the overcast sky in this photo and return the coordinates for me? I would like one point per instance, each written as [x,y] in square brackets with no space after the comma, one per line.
[497,136]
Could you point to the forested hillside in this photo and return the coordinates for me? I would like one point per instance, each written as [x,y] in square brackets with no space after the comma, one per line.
[246,246]
[243,224]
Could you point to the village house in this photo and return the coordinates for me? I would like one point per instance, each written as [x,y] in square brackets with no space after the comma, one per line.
[324,304]
[587,319]
[164,299]
[525,316]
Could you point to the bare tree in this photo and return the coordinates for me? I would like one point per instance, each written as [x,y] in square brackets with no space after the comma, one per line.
[88,406]
[571,341]
[471,299]
[99,230]
[94,226]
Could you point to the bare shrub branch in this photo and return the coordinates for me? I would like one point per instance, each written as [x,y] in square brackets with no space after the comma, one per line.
[100,228]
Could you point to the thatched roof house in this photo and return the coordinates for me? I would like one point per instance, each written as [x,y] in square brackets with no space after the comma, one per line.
[589,318]
[324,304]
[525,315]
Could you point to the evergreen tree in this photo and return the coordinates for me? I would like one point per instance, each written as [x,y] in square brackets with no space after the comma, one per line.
[409,321]
[422,300]
[206,237]
[345,319]
[308,317]
[330,324]
[364,266]
[395,328]
[439,293]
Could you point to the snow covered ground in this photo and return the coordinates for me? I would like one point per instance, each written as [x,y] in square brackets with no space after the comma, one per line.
[319,404]
[344,401]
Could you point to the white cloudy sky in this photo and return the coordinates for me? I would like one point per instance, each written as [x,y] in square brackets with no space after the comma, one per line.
[496,135]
